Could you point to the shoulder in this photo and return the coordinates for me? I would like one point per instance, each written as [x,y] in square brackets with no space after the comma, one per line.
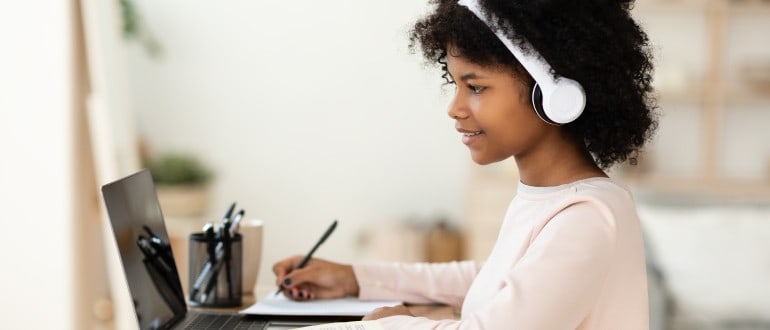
[603,194]
[600,193]
[600,205]
[596,204]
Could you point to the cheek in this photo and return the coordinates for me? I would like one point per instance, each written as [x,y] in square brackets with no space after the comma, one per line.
[516,124]
[525,111]
[517,114]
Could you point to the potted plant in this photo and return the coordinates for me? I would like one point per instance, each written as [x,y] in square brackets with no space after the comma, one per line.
[182,184]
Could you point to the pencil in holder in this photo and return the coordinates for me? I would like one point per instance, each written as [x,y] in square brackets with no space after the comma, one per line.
[215,270]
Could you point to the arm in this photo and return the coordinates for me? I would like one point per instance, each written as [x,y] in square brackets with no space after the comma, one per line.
[553,286]
[420,283]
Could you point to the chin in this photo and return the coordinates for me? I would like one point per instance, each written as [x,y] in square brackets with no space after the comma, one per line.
[483,159]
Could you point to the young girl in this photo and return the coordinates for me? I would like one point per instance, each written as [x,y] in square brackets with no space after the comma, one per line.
[562,86]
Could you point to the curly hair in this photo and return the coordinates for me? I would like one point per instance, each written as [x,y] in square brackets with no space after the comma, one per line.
[595,42]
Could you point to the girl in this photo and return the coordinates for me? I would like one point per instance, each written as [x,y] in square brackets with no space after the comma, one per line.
[562,86]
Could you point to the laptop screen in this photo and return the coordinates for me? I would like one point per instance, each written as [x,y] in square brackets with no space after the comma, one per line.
[137,223]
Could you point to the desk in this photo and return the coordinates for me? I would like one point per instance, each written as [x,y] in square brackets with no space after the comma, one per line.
[434,312]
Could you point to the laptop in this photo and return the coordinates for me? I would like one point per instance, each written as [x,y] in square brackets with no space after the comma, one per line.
[148,263]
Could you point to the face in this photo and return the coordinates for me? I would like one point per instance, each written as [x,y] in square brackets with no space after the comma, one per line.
[493,111]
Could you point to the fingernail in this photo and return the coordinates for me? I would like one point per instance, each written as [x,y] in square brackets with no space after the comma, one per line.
[287,281]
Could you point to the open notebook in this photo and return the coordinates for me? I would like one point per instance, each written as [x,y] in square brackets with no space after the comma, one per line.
[273,304]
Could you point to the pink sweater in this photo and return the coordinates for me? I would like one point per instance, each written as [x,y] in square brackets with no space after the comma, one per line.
[567,257]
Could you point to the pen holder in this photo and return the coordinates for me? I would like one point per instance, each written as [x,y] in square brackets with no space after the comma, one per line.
[215,271]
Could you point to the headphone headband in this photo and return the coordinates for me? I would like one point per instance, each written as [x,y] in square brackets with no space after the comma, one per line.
[563,99]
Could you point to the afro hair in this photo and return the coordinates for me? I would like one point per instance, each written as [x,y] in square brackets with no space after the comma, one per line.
[595,42]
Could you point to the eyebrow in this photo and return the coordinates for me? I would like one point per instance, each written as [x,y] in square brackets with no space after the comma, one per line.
[469,76]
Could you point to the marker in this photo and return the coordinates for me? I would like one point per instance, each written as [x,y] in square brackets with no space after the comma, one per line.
[236,223]
[307,257]
[228,213]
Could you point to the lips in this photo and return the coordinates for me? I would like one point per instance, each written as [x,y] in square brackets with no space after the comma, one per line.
[467,132]
[469,136]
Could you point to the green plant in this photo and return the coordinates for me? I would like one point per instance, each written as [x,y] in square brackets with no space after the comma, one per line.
[134,28]
[178,169]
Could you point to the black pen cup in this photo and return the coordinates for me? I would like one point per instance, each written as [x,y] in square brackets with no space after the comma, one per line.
[215,270]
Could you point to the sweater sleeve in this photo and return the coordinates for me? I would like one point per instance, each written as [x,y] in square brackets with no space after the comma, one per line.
[419,283]
[553,286]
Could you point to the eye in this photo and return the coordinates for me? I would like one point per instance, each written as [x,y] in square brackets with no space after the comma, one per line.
[476,89]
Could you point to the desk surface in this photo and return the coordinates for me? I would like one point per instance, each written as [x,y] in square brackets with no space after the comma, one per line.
[435,312]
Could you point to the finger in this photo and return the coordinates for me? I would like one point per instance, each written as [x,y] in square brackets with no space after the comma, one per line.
[307,275]
[315,280]
[305,293]
[312,291]
[287,293]
[300,293]
[285,266]
[282,282]
[295,294]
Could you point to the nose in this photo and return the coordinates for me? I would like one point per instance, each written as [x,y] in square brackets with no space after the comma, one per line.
[457,109]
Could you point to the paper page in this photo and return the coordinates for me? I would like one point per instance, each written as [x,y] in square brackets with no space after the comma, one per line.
[280,305]
[357,325]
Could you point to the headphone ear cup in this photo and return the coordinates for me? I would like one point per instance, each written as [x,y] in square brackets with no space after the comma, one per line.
[537,103]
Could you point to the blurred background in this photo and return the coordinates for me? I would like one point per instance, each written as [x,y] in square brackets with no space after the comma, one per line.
[305,112]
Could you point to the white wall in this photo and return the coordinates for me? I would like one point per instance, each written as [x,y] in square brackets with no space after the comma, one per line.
[35,182]
[308,111]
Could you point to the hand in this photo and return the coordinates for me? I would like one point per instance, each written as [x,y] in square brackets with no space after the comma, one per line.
[319,279]
[388,311]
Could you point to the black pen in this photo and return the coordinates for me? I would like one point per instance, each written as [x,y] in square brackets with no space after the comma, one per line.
[227,216]
[309,255]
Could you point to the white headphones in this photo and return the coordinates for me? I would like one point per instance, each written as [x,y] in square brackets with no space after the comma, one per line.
[557,100]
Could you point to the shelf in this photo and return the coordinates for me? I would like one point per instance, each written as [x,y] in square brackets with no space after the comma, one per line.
[746,96]
[659,6]
[697,6]
[680,97]
[701,189]
[758,7]
[731,97]
[716,92]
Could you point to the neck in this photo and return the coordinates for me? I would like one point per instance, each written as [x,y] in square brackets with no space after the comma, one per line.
[560,159]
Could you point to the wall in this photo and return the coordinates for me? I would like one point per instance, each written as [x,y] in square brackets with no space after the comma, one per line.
[308,111]
[35,182]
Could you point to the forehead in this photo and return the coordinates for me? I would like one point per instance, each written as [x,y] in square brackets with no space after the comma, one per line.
[458,65]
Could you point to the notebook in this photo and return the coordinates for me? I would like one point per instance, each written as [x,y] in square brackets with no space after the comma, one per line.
[149,267]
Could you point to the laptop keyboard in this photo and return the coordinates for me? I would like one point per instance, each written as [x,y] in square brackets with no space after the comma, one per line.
[224,321]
